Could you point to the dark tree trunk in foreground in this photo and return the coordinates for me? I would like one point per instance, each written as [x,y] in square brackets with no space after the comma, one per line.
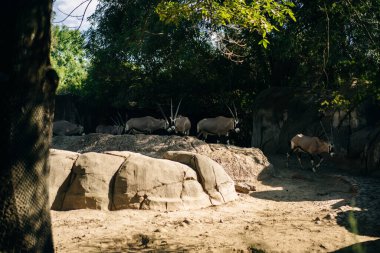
[27,86]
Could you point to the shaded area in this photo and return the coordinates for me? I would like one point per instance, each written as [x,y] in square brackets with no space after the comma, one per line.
[300,188]
[364,219]
[367,247]
[357,212]
[302,184]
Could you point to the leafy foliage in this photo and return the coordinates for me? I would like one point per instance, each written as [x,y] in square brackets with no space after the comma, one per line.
[68,57]
[138,58]
[138,61]
[261,16]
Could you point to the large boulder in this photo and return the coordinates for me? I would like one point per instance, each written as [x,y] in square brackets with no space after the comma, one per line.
[143,182]
[372,153]
[61,163]
[215,181]
[89,182]
[117,180]
[241,164]
[299,111]
[274,124]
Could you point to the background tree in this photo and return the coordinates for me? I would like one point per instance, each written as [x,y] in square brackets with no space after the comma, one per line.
[27,84]
[69,59]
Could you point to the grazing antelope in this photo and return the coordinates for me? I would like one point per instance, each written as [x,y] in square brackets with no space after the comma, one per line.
[108,129]
[180,124]
[220,126]
[146,124]
[65,128]
[311,146]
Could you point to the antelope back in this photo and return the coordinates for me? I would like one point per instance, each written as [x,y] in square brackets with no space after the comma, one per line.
[219,125]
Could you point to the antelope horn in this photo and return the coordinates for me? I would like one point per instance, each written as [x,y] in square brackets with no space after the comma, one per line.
[323,128]
[176,113]
[171,108]
[233,116]
[162,112]
[235,110]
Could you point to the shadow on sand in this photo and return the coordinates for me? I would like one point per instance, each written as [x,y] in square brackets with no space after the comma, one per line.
[296,184]
[358,211]
[363,247]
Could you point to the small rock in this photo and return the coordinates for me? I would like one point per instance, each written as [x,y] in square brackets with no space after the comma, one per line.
[329,216]
[244,187]
[186,221]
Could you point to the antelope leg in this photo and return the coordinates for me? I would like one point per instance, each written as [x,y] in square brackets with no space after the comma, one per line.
[320,161]
[287,159]
[312,163]
[299,159]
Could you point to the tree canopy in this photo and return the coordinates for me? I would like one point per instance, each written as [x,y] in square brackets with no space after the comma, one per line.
[69,59]
[215,52]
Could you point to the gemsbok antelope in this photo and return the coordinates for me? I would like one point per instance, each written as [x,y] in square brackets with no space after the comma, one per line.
[110,129]
[65,128]
[180,124]
[310,145]
[147,124]
[219,126]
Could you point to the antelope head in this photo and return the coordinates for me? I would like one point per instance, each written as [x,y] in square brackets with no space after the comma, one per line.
[235,117]
[174,117]
[167,124]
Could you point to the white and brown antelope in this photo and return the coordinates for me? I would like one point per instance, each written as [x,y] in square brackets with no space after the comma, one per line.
[219,126]
[180,124]
[147,124]
[64,127]
[313,146]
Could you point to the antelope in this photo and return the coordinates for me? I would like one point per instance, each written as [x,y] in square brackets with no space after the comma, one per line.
[180,124]
[147,124]
[220,126]
[311,146]
[108,129]
[64,128]
[117,128]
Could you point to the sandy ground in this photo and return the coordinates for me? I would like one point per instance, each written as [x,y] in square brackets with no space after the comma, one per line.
[292,211]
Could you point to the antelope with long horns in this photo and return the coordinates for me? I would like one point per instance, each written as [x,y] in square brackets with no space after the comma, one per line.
[147,124]
[180,124]
[310,145]
[219,126]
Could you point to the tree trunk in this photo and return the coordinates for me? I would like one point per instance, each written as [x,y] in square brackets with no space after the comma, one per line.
[27,86]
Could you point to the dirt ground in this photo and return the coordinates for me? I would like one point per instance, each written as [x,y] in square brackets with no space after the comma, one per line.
[294,210]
